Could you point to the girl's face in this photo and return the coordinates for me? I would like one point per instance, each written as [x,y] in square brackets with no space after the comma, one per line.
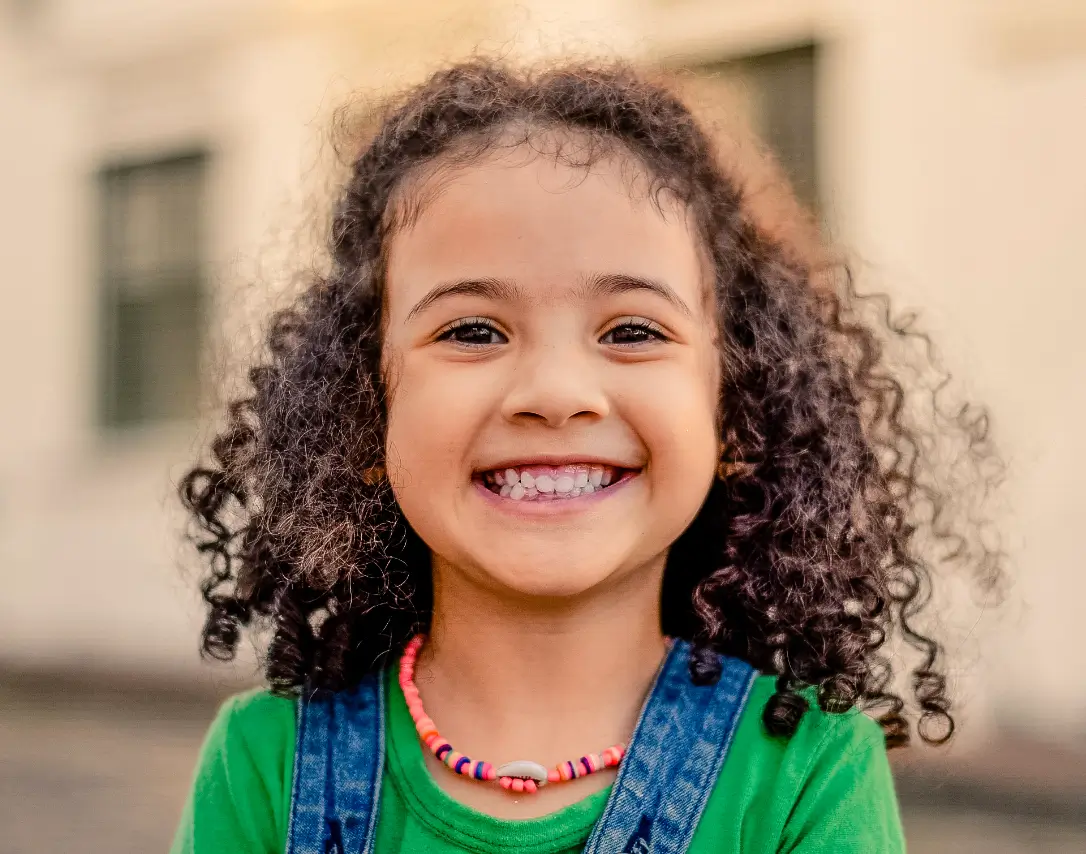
[550,351]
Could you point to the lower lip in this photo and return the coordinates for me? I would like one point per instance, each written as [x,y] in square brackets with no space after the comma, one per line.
[554,506]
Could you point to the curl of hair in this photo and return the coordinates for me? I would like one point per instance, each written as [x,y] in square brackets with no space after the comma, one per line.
[805,560]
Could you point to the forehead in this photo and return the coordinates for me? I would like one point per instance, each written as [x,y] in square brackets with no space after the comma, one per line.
[543,223]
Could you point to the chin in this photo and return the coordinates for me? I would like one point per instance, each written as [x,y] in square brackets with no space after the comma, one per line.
[553,577]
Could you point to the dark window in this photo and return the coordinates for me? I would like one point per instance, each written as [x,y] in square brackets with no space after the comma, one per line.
[776,94]
[152,289]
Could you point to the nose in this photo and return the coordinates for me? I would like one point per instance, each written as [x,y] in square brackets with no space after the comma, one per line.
[554,385]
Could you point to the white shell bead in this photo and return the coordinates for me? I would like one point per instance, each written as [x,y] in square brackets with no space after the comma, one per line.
[523,769]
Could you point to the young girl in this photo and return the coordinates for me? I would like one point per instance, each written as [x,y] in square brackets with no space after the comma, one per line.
[577,508]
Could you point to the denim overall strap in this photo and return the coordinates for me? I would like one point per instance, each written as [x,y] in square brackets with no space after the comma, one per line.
[339,757]
[673,759]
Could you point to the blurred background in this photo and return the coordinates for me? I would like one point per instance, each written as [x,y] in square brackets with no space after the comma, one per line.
[155,159]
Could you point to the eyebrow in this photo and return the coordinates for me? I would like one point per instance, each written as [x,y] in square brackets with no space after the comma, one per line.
[593,286]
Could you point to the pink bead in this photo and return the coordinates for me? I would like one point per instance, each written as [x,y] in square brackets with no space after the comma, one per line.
[553,776]
[518,784]
[488,771]
[530,786]
[595,761]
[506,782]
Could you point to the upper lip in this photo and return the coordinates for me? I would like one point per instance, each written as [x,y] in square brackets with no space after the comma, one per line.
[557,460]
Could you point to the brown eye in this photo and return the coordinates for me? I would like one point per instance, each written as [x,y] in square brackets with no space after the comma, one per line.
[633,333]
[472,333]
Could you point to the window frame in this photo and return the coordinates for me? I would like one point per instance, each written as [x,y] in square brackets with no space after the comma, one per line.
[111,415]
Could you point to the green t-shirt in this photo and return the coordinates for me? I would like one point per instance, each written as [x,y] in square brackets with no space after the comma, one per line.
[826,789]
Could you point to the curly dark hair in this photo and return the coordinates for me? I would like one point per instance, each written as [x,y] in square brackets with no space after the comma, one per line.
[813,551]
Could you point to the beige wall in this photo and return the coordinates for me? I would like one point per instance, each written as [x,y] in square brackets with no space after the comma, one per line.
[951,133]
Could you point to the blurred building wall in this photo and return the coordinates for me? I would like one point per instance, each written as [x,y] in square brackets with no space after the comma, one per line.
[949,134]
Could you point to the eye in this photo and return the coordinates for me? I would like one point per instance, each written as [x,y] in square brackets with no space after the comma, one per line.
[632,331]
[472,332]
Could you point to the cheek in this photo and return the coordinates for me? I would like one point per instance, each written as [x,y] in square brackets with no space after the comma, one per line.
[674,411]
[432,417]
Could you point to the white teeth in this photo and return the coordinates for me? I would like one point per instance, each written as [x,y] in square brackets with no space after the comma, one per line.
[574,481]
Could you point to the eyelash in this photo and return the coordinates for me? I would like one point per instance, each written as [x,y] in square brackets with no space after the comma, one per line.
[648,331]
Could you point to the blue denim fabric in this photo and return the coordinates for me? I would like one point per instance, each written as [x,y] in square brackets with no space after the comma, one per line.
[674,757]
[338,760]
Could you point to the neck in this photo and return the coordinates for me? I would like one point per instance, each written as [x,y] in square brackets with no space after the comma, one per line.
[544,680]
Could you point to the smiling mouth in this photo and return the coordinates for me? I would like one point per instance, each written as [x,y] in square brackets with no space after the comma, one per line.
[553,483]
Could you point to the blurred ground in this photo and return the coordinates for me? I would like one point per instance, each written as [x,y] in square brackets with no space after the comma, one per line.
[106,770]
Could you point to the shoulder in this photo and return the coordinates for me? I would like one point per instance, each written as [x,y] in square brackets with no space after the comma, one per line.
[255,718]
[256,712]
[828,786]
[240,797]
[818,730]
[253,731]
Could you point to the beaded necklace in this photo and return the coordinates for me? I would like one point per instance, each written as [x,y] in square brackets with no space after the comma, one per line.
[521,775]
